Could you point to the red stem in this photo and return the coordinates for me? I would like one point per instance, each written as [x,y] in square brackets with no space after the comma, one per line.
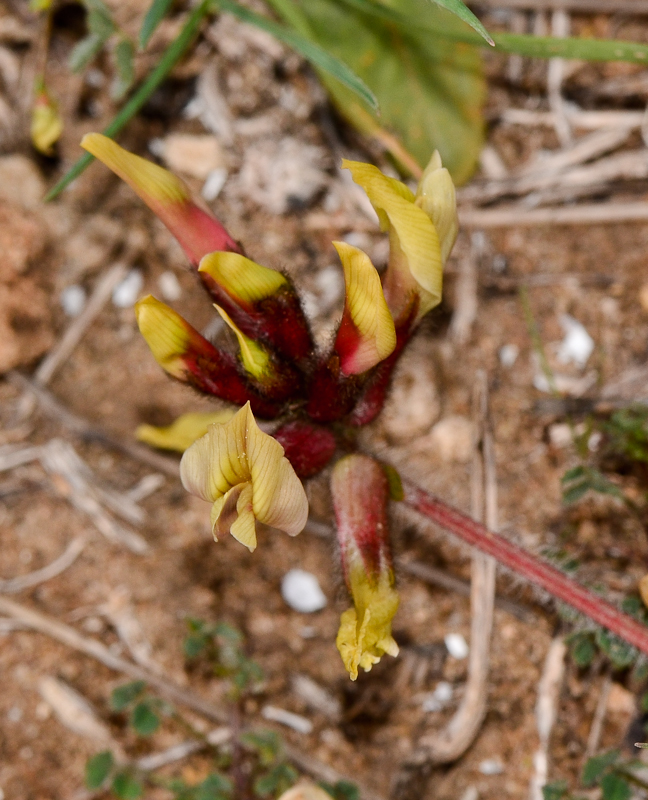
[528,566]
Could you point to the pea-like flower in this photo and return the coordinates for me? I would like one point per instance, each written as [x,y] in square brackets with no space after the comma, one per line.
[243,472]
[360,492]
[422,230]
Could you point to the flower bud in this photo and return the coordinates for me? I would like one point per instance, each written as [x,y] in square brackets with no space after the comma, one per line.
[168,198]
[46,122]
[366,335]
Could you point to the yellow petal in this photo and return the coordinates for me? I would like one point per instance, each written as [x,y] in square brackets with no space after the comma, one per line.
[254,357]
[437,197]
[371,337]
[243,471]
[244,280]
[168,197]
[182,432]
[412,231]
[364,635]
[46,124]
[167,334]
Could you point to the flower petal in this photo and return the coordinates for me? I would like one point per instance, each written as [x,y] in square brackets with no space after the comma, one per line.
[244,281]
[236,455]
[255,358]
[367,334]
[166,195]
[436,195]
[183,431]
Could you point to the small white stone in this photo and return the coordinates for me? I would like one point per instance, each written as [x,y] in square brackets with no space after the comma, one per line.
[125,293]
[214,183]
[457,645]
[452,438]
[302,592]
[491,766]
[15,714]
[577,346]
[73,300]
[196,156]
[560,434]
[170,288]
[439,698]
[508,354]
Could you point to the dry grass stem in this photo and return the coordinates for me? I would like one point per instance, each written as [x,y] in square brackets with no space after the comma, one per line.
[56,567]
[586,214]
[549,689]
[597,721]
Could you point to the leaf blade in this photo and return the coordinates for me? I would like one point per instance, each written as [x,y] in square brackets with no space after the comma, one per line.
[156,13]
[457,8]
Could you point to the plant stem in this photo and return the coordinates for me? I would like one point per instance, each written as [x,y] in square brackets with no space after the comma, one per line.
[527,566]
[172,55]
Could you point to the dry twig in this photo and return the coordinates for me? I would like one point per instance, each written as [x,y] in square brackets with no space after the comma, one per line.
[546,709]
[597,721]
[586,214]
[56,567]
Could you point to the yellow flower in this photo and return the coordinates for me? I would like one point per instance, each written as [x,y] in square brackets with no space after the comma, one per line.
[360,491]
[422,230]
[244,473]
[183,431]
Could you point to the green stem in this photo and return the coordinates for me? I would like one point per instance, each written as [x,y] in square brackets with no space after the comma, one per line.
[172,55]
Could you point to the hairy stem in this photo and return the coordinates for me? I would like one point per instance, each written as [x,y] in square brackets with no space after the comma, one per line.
[527,566]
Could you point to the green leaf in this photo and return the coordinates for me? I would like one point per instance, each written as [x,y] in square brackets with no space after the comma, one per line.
[126,787]
[267,744]
[554,791]
[172,55]
[620,653]
[460,10]
[573,473]
[615,787]
[595,767]
[100,21]
[84,51]
[430,89]
[123,56]
[214,787]
[193,645]
[156,13]
[320,57]
[123,696]
[342,790]
[98,768]
[277,781]
[144,720]
[583,650]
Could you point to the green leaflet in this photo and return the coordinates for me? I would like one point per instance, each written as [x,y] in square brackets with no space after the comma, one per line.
[430,89]
[457,8]
[156,13]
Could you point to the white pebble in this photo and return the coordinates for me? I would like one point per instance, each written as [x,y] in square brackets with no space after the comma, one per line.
[508,354]
[457,645]
[125,293]
[301,590]
[439,698]
[491,766]
[214,183]
[577,346]
[170,288]
[15,714]
[73,300]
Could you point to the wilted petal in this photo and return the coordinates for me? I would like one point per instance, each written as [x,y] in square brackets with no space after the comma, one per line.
[244,473]
[360,491]
[183,431]
[367,334]
[166,195]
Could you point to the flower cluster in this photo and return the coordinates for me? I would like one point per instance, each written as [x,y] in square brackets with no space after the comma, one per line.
[314,398]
